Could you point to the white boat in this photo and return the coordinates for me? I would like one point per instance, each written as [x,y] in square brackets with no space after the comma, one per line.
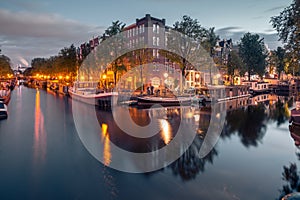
[90,95]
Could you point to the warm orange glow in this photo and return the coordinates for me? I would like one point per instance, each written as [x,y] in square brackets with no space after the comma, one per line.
[106,145]
[82,78]
[37,75]
[67,77]
[104,129]
[104,76]
[60,77]
[165,131]
[39,131]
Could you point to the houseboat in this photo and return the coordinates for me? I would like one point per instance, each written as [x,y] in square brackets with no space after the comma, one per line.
[257,87]
[88,93]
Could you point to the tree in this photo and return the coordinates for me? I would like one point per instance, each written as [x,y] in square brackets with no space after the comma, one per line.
[192,34]
[277,59]
[5,67]
[234,63]
[253,53]
[287,24]
[113,30]
[209,43]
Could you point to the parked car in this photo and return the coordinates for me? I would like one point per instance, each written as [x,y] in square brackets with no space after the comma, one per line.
[3,111]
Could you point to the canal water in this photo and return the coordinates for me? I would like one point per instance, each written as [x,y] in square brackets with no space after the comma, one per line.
[42,155]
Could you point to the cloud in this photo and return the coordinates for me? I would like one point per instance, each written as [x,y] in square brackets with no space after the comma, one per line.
[275,8]
[230,29]
[236,33]
[27,35]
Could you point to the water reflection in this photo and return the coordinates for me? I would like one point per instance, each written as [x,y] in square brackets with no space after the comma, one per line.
[189,165]
[166,130]
[106,147]
[248,123]
[39,144]
[290,173]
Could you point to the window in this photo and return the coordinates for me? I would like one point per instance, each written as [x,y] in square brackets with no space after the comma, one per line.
[133,31]
[154,28]
[154,41]
[143,28]
[157,29]
[154,52]
[157,41]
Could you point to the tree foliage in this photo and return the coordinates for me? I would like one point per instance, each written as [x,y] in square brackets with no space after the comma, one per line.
[5,67]
[114,30]
[253,53]
[63,64]
[186,44]
[234,63]
[277,59]
[287,24]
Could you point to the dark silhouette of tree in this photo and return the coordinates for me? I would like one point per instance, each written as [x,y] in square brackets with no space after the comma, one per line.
[250,127]
[287,24]
[279,113]
[234,63]
[5,67]
[253,53]
[189,165]
[115,29]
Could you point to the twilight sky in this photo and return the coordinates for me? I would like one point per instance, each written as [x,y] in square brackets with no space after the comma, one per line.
[40,28]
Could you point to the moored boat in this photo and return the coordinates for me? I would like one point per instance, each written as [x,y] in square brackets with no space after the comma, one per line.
[295,114]
[91,95]
[163,101]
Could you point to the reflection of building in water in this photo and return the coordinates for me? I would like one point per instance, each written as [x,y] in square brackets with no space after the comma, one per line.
[262,98]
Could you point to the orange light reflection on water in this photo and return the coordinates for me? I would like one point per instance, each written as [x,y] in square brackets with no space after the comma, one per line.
[39,144]
[106,143]
[165,131]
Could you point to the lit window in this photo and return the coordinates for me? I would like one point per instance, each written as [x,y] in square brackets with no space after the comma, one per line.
[157,28]
[154,41]
[154,28]
[154,52]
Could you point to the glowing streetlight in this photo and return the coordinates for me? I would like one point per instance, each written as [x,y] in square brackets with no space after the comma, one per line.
[166,75]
